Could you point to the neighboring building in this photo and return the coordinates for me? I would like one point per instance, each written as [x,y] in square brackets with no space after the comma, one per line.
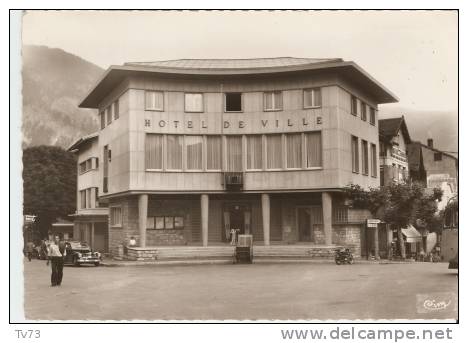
[91,217]
[189,149]
[63,228]
[434,168]
[393,140]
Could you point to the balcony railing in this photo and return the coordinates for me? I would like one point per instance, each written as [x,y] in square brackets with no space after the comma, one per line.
[233,181]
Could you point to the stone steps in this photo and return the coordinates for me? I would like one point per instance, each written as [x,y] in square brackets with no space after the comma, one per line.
[226,253]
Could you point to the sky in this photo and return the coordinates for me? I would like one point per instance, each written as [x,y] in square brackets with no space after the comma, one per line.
[412,53]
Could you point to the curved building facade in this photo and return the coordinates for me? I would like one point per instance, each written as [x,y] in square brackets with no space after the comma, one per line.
[191,149]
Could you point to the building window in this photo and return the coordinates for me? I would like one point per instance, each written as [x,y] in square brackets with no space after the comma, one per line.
[234,153]
[365,157]
[194,150]
[150,223]
[374,160]
[90,164]
[165,223]
[193,102]
[96,197]
[154,101]
[437,156]
[116,109]
[313,149]
[254,152]
[154,151]
[159,222]
[273,101]
[83,198]
[312,98]
[354,105]
[363,111]
[355,154]
[233,102]
[274,152]
[174,152]
[169,223]
[213,152]
[294,150]
[82,167]
[372,116]
[383,151]
[109,114]
[103,119]
[116,216]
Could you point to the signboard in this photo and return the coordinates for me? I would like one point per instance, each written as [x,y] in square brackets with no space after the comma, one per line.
[373,222]
[29,218]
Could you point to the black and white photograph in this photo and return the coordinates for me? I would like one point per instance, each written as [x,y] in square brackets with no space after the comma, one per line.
[230,166]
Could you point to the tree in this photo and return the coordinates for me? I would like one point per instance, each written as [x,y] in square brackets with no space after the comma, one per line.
[49,184]
[398,204]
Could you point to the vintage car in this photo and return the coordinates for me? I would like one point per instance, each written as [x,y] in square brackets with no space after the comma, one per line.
[453,263]
[79,253]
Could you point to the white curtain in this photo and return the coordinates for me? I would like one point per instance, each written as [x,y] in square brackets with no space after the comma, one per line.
[365,157]
[213,152]
[194,146]
[312,97]
[254,152]
[374,160]
[194,102]
[174,152]
[234,153]
[154,100]
[274,152]
[273,100]
[294,150]
[314,149]
[153,151]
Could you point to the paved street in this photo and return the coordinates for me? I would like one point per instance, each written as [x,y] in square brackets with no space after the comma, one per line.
[259,291]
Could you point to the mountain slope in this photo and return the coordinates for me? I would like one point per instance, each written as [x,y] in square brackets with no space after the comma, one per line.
[54,82]
[442,127]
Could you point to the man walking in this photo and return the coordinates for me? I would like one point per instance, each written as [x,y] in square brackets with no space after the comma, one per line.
[56,254]
[30,250]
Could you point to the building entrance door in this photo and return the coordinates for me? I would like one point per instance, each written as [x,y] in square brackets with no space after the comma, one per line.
[309,223]
[304,224]
[236,216]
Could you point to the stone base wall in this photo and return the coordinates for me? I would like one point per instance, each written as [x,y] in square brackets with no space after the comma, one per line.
[349,236]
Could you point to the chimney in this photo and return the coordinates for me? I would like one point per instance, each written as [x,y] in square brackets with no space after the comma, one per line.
[430,143]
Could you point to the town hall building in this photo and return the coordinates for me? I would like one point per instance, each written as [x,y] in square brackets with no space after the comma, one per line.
[190,149]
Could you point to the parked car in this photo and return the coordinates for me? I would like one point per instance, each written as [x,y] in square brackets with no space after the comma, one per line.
[453,263]
[79,253]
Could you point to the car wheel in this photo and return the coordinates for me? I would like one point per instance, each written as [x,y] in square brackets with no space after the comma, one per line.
[338,262]
[75,261]
[96,264]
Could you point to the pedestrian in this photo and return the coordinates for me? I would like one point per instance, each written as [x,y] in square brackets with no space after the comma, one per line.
[132,242]
[43,254]
[56,254]
[233,236]
[29,250]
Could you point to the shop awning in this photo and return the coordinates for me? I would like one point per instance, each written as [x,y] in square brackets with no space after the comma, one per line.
[412,235]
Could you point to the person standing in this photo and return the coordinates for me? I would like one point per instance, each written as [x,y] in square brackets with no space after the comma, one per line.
[56,254]
[30,250]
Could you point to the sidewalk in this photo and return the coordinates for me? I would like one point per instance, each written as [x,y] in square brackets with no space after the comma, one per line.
[109,262]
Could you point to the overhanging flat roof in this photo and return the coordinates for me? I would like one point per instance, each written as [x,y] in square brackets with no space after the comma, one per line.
[114,75]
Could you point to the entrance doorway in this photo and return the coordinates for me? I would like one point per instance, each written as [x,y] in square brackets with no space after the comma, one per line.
[236,216]
[309,221]
[304,224]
